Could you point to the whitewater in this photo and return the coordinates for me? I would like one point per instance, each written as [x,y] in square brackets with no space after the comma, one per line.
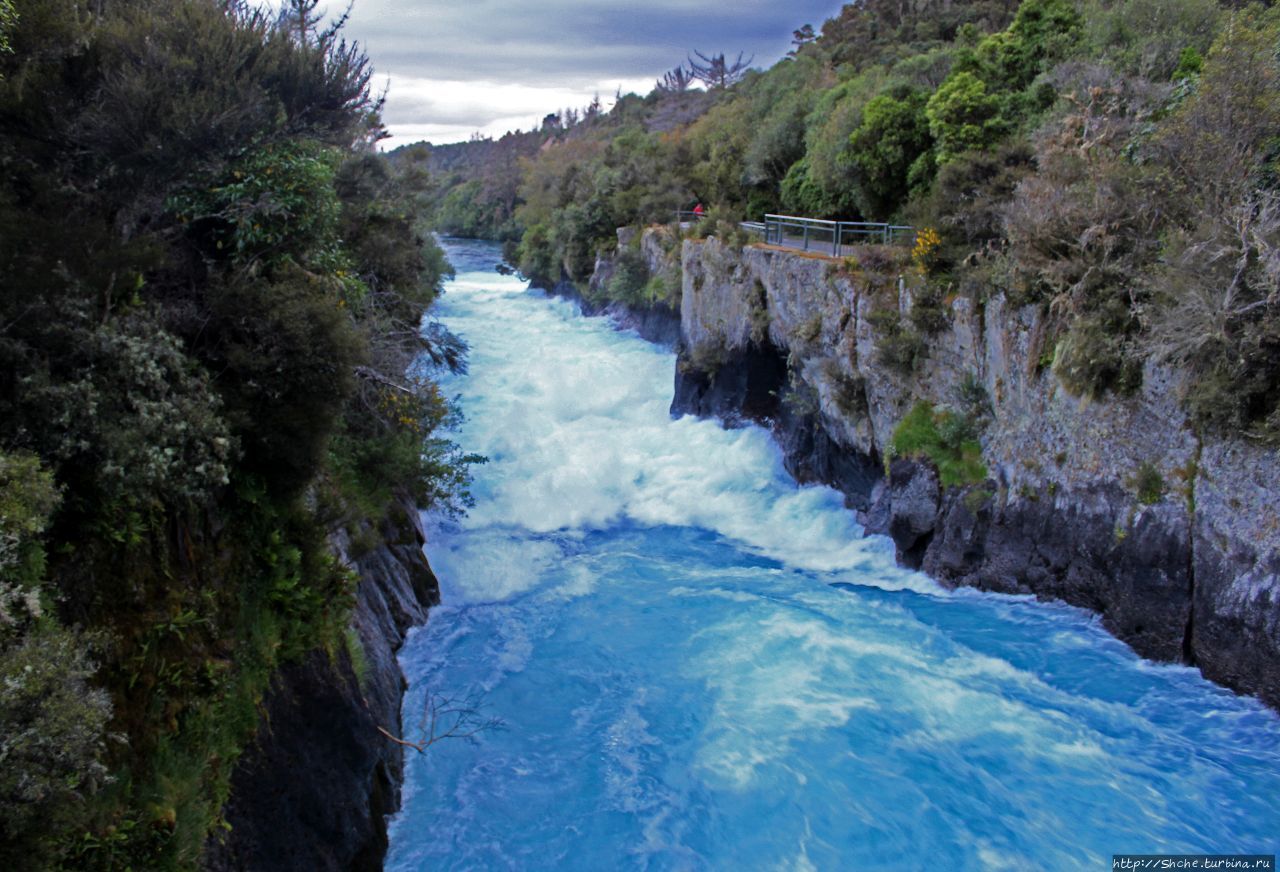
[698,664]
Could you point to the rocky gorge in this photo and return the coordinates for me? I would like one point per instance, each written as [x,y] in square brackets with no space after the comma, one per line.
[315,787]
[1115,504]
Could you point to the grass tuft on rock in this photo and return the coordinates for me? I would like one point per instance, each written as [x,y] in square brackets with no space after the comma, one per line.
[947,440]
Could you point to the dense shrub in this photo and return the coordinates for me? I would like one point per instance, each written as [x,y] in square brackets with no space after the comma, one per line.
[276,201]
[286,352]
[929,312]
[54,721]
[1148,484]
[53,743]
[134,418]
[28,496]
[891,149]
[630,278]
[1086,226]
[1151,38]
[967,200]
[899,346]
[1218,284]
[189,373]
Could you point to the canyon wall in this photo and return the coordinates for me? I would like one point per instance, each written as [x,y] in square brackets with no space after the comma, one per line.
[313,789]
[1116,505]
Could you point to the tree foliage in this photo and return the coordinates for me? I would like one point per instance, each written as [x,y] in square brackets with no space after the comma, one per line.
[1111,161]
[211,347]
[964,116]
[892,151]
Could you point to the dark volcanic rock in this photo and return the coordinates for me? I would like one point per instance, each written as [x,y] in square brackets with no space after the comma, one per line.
[960,540]
[1235,632]
[914,495]
[1081,548]
[813,457]
[313,790]
[657,324]
[745,386]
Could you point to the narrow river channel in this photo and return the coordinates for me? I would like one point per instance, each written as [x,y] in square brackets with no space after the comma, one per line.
[700,665]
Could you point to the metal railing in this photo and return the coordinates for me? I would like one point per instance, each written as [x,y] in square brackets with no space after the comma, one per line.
[683,217]
[836,238]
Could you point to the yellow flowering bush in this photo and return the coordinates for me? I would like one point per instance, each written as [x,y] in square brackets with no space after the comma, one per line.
[925,253]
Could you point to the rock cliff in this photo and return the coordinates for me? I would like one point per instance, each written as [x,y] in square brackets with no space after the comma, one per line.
[314,788]
[656,322]
[1116,505]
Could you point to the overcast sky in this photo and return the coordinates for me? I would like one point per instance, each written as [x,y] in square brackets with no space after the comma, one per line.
[490,66]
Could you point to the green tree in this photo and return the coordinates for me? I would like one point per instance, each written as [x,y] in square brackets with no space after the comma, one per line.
[963,116]
[837,113]
[801,194]
[1043,32]
[993,90]
[890,149]
[211,335]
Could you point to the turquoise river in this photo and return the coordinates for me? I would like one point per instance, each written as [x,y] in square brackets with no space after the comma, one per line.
[699,665]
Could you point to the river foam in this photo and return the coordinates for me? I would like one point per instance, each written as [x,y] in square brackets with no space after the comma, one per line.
[574,417]
[702,666]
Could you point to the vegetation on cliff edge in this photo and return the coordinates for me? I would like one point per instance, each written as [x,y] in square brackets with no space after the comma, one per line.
[211,357]
[1113,162]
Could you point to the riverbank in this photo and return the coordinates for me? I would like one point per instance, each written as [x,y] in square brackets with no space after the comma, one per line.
[314,789]
[1114,505]
[681,643]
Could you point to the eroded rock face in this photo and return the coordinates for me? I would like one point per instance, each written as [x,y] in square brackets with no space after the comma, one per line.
[914,495]
[1236,625]
[812,456]
[313,790]
[745,385]
[1188,571]
[1069,549]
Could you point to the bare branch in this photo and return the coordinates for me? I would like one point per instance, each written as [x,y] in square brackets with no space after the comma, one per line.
[448,718]
[373,375]
[676,81]
[717,73]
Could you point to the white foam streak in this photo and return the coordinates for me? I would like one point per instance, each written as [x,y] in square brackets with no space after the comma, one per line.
[573,416]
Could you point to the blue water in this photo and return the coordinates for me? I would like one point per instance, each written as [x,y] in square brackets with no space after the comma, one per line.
[701,666]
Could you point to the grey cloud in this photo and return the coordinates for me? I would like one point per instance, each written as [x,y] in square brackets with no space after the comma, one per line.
[410,107]
[570,42]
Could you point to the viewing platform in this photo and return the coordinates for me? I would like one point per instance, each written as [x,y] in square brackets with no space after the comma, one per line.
[834,238]
[830,238]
